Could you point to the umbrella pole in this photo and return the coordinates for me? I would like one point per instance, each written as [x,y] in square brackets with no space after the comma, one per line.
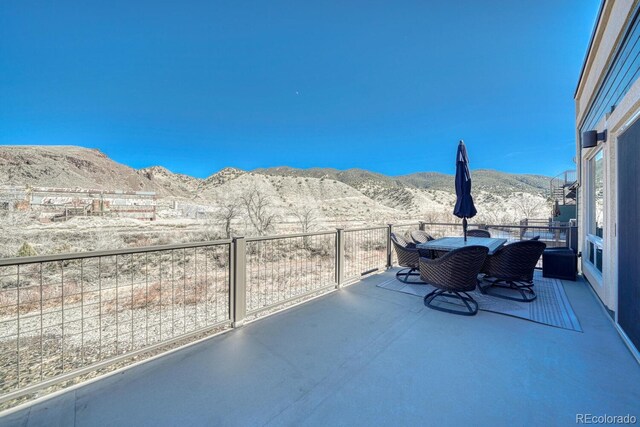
[464,228]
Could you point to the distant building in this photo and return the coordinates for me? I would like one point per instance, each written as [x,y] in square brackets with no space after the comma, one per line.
[13,198]
[608,160]
[59,204]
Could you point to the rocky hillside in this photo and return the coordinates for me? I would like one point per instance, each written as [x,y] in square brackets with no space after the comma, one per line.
[483,179]
[170,183]
[62,166]
[334,195]
[427,191]
[77,167]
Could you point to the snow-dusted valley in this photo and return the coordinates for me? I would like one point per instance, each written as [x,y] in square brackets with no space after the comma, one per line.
[69,199]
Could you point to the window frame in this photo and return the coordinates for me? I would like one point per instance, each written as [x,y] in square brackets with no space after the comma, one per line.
[594,244]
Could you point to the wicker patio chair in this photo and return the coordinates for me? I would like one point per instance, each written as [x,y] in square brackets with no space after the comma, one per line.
[408,257]
[453,275]
[419,236]
[512,267]
[476,232]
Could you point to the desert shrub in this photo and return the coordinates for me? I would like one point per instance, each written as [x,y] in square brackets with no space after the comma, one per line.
[26,250]
[63,248]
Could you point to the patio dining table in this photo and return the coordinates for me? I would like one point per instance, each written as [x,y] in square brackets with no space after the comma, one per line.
[451,243]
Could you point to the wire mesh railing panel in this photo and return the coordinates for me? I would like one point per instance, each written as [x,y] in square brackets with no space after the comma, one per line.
[59,317]
[440,230]
[552,236]
[365,251]
[285,269]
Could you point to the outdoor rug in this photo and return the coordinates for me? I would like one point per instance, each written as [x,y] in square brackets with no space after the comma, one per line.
[552,306]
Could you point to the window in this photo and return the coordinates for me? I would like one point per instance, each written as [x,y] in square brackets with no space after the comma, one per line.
[597,222]
[595,210]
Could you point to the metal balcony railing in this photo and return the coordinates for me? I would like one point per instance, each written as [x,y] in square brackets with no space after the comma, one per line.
[281,270]
[63,317]
[365,251]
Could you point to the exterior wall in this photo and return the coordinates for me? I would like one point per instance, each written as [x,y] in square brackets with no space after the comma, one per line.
[609,33]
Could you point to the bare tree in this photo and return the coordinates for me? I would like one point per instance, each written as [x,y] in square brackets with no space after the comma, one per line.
[431,217]
[259,211]
[527,205]
[494,216]
[306,217]
[227,214]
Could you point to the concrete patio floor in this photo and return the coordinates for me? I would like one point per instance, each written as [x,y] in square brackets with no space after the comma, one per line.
[369,356]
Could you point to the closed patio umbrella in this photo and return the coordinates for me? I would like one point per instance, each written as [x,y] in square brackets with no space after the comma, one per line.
[464,202]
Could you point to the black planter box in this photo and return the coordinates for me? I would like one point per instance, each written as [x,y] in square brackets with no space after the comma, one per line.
[559,263]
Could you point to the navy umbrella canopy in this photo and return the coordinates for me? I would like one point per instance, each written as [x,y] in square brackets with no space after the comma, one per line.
[464,202]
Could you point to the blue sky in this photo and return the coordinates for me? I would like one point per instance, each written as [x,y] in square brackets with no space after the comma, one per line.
[387,86]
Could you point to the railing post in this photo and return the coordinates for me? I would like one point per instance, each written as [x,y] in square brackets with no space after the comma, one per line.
[389,259]
[421,225]
[339,257]
[523,230]
[239,284]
